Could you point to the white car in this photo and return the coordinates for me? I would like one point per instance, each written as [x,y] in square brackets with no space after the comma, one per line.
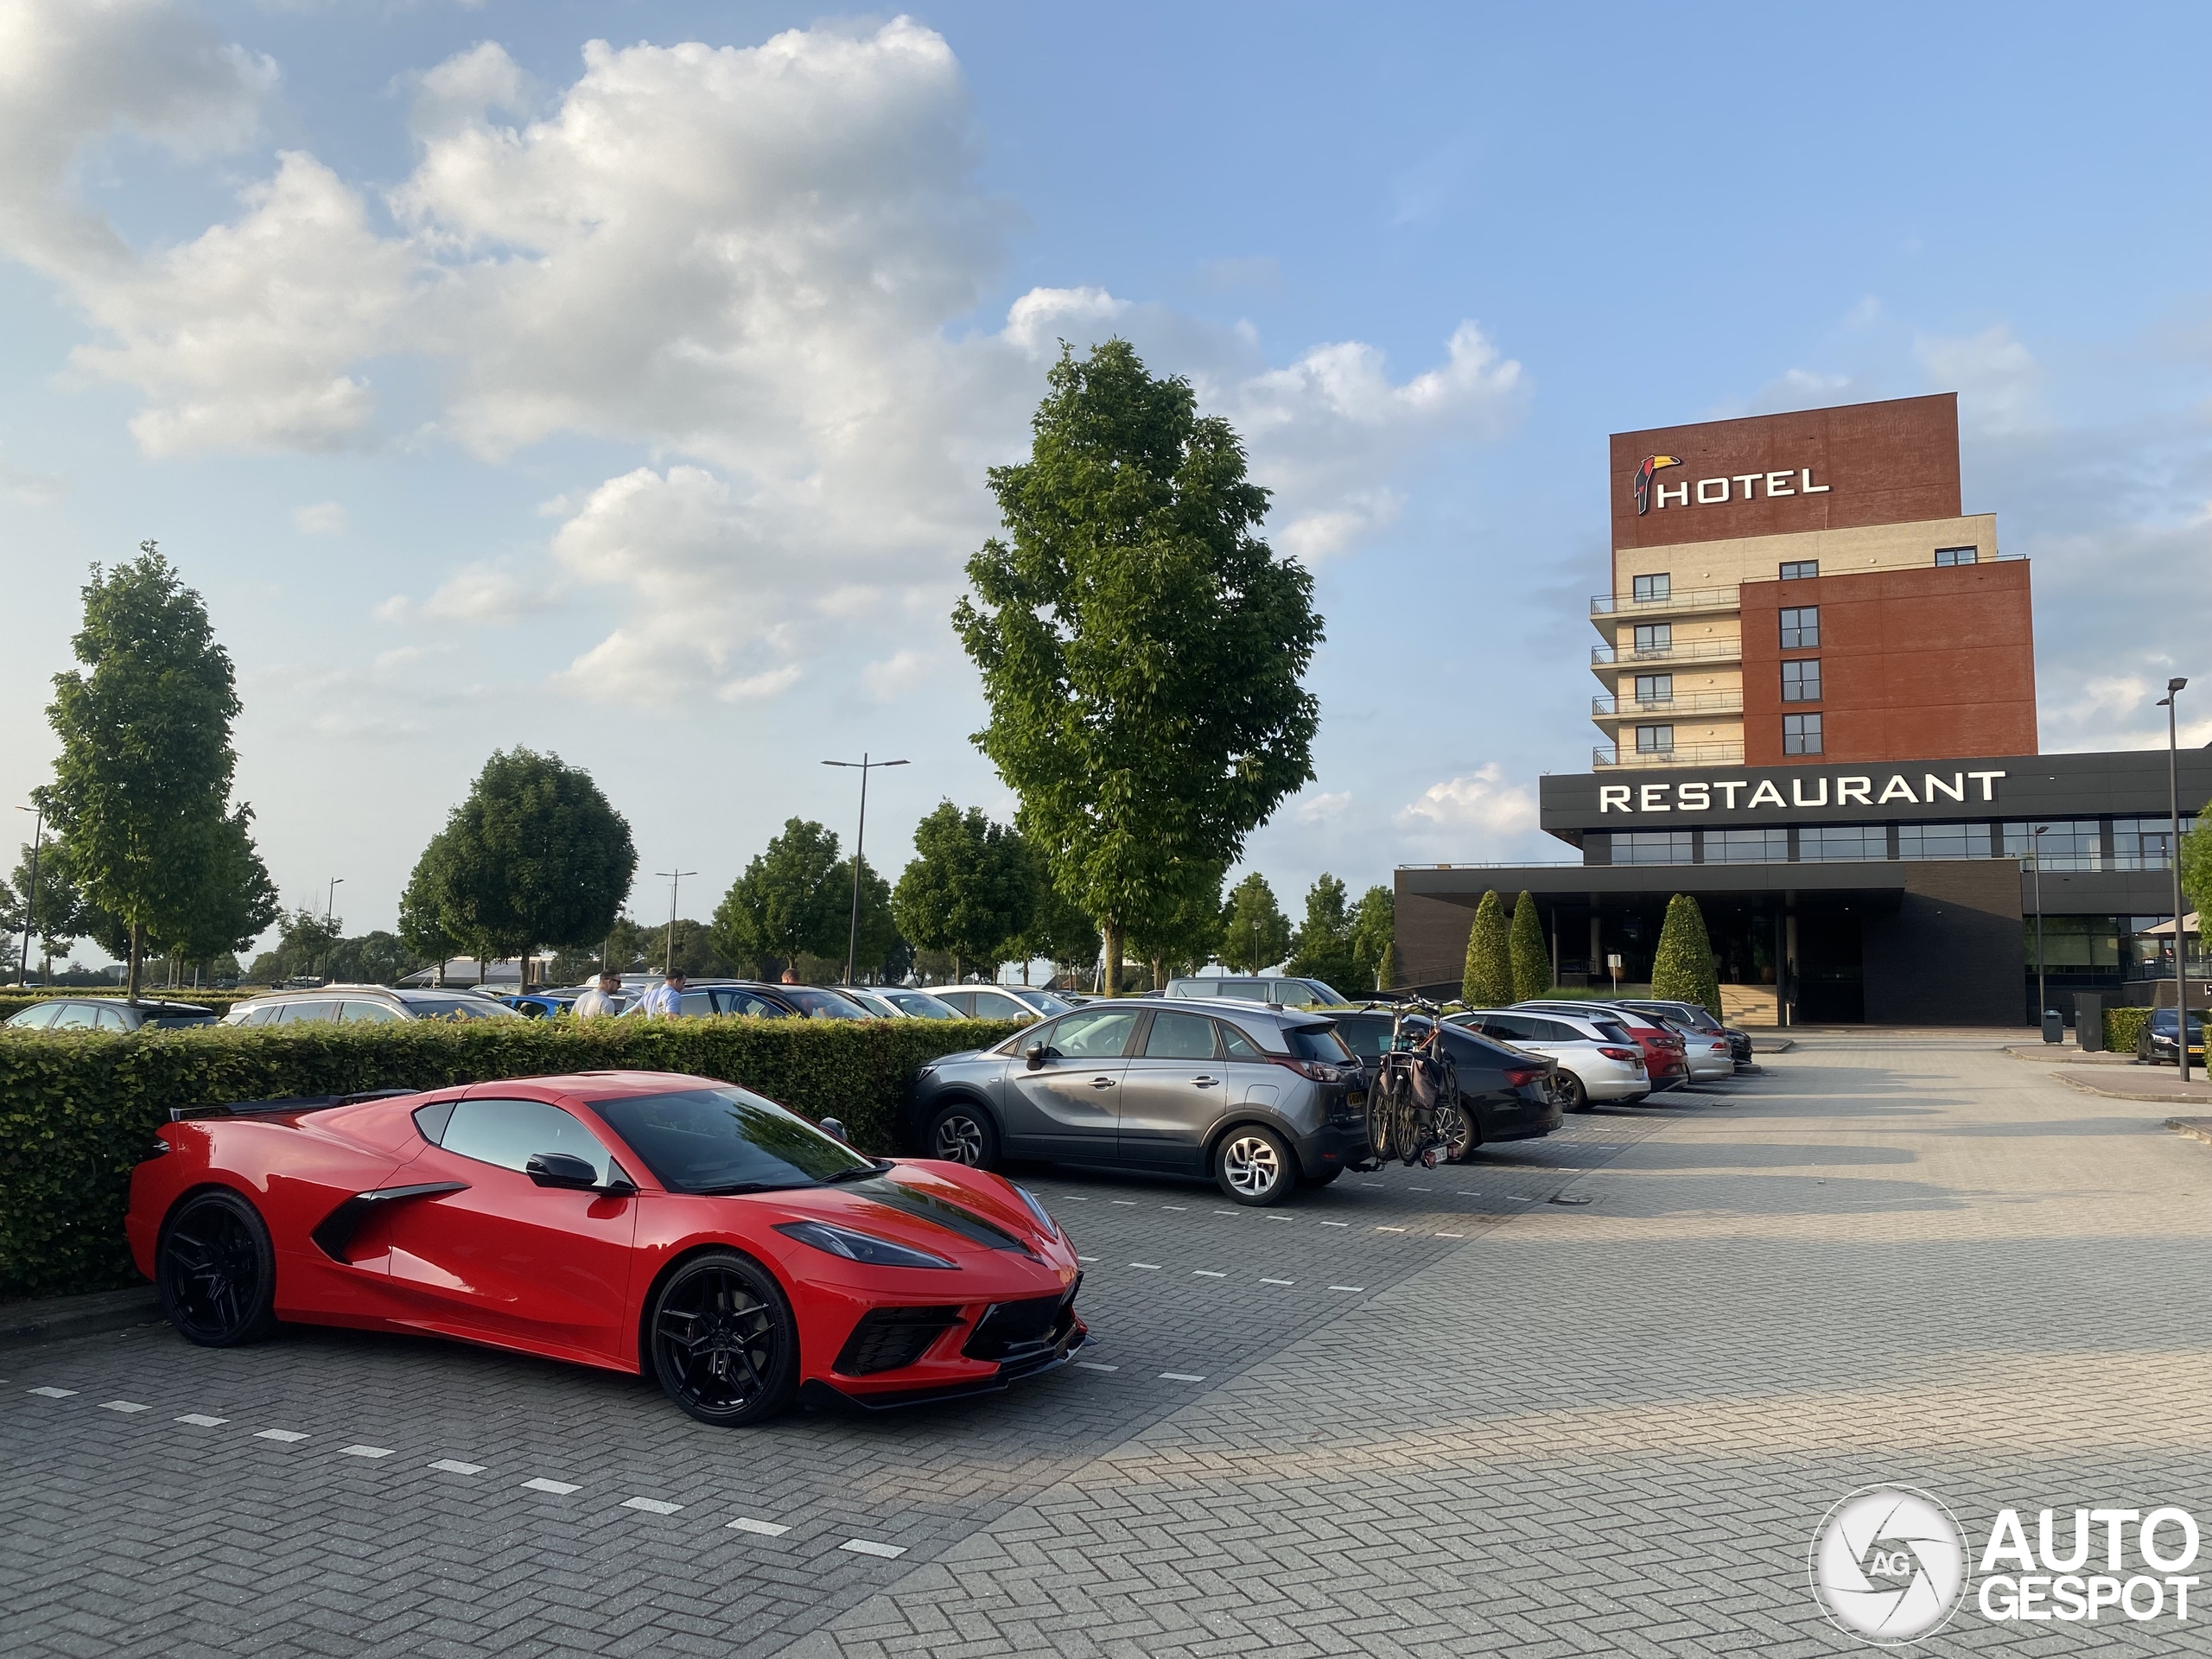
[900,1002]
[1597,1061]
[1019,1002]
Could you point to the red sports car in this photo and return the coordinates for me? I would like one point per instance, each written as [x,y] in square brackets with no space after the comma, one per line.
[635,1220]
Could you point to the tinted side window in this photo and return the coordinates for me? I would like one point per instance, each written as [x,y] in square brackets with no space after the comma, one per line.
[963,1001]
[367,1014]
[33,1019]
[294,1013]
[1513,1027]
[113,1019]
[1245,990]
[1092,1035]
[1292,994]
[1180,1037]
[1554,1031]
[1237,1046]
[990,1005]
[75,1016]
[751,1003]
[509,1132]
[696,1002]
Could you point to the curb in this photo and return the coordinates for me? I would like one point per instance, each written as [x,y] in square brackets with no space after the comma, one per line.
[2199,1127]
[2170,1098]
[61,1317]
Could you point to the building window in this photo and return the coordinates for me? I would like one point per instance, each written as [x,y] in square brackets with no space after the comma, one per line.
[1801,680]
[1801,734]
[1653,638]
[1654,688]
[2143,843]
[1830,842]
[2065,845]
[1651,588]
[1943,841]
[1651,846]
[1747,845]
[1655,740]
[1953,555]
[1799,570]
[1801,627]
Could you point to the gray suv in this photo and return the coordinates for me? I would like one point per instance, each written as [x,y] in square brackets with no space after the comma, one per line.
[1262,1099]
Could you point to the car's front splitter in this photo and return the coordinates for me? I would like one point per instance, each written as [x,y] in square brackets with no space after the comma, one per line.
[818,1392]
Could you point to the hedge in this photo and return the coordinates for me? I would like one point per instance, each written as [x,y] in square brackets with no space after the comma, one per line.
[78,1110]
[2124,1028]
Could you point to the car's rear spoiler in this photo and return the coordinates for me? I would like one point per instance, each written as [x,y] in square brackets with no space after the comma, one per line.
[298,1103]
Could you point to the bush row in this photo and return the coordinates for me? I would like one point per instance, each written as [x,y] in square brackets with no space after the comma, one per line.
[79,1109]
[2124,1028]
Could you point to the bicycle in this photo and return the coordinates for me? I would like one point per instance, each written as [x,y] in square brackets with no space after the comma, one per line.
[1416,1093]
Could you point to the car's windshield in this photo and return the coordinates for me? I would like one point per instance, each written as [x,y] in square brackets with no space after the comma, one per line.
[920,1005]
[821,1004]
[723,1139]
[1046,1003]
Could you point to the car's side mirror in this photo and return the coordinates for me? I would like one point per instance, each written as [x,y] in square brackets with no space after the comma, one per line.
[835,1127]
[1035,1054]
[562,1169]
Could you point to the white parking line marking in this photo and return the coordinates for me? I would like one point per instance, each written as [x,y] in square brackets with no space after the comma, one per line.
[1336,1223]
[1129,1203]
[364,1451]
[1176,1208]
[51,1394]
[199,1421]
[1181,1376]
[1278,1217]
[455,1466]
[1451,1235]
[1069,1198]
[1150,1267]
[1389,1230]
[651,1506]
[1220,1212]
[762,1529]
[1278,1282]
[1094,1365]
[558,1488]
[1347,1287]
[123,1405]
[1206,1272]
[284,1436]
[869,1547]
[1086,1258]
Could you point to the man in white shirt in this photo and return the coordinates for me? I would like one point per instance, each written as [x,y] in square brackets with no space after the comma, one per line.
[604,998]
[664,1000]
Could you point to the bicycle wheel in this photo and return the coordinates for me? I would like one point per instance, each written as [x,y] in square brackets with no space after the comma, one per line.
[1381,1100]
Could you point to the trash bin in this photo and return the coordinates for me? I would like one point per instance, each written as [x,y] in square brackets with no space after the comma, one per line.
[2054,1025]
[2089,1021]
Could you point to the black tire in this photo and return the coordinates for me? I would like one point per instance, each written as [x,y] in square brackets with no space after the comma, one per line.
[215,1271]
[722,1342]
[1255,1165]
[1324,1177]
[1382,1135]
[1462,1135]
[1572,1096]
[962,1133]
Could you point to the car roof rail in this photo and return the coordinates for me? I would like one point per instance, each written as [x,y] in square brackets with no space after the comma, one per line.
[296,1103]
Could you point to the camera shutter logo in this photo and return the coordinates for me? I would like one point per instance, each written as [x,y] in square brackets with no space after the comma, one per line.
[1889,1564]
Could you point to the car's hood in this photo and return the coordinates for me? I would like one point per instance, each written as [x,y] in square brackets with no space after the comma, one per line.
[936,1207]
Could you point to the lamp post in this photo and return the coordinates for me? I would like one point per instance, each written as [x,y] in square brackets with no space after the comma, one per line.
[2034,852]
[31,896]
[2173,803]
[675,877]
[864,766]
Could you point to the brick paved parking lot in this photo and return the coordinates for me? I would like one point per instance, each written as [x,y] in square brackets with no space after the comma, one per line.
[1412,1415]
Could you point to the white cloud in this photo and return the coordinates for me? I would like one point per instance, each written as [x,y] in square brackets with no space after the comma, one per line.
[903,671]
[1998,381]
[323,518]
[1480,801]
[490,595]
[32,489]
[1316,808]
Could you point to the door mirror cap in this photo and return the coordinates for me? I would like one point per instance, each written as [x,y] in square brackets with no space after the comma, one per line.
[1034,1054]
[831,1126]
[561,1169]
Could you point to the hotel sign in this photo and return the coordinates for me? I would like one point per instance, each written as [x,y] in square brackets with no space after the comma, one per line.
[1806,790]
[1650,487]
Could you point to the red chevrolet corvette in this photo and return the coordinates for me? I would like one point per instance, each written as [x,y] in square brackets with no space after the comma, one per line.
[635,1220]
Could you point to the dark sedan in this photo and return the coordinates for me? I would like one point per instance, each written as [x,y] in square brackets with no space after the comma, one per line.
[110,1014]
[2155,1046]
[1507,1093]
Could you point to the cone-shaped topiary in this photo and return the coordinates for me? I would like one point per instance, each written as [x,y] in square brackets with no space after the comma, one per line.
[1682,970]
[1488,983]
[1532,963]
[1386,968]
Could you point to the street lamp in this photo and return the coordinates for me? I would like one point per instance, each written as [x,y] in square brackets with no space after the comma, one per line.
[2035,851]
[668,962]
[2173,803]
[864,766]
[30,895]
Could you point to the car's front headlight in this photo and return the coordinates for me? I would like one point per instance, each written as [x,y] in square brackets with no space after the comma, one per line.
[861,1247]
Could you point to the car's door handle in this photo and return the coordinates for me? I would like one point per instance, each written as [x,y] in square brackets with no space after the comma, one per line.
[1204,1083]
[1101,1083]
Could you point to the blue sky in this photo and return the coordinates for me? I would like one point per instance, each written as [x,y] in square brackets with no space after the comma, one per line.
[634,402]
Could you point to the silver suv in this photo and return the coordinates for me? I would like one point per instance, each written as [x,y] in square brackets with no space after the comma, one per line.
[364,1005]
[1262,1099]
[1283,992]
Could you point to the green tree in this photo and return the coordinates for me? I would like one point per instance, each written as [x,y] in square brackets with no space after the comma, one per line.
[1322,947]
[789,902]
[1373,938]
[535,855]
[1061,931]
[1532,961]
[53,902]
[970,889]
[2196,860]
[1682,967]
[1140,647]
[234,905]
[1488,981]
[1254,933]
[422,928]
[372,958]
[305,940]
[878,934]
[140,791]
[1186,937]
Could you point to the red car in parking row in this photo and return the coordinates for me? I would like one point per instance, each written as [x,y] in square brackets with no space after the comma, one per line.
[637,1221]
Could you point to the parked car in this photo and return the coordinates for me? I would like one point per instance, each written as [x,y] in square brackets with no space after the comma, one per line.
[1695,1016]
[1666,1054]
[1507,1094]
[109,1013]
[636,1221]
[364,1005]
[761,1001]
[1281,990]
[903,1002]
[1598,1059]
[1260,1099]
[1020,1002]
[2154,1045]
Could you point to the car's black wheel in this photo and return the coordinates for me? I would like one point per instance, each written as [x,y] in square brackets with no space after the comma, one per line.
[215,1271]
[1255,1165]
[1324,1177]
[1460,1131]
[963,1133]
[1572,1096]
[721,1341]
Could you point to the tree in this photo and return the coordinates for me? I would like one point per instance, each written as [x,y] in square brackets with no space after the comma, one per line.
[970,889]
[1374,940]
[422,929]
[878,934]
[140,791]
[2196,862]
[788,903]
[304,942]
[52,904]
[236,902]
[1488,982]
[536,854]
[1059,931]
[1322,947]
[1532,963]
[1140,647]
[1682,967]
[1254,933]
[1185,938]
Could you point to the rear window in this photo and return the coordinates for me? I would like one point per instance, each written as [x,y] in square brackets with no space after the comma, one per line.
[1611,1030]
[1364,1038]
[1319,1043]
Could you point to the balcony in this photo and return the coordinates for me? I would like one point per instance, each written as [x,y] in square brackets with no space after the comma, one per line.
[1693,703]
[1695,651]
[1679,602]
[1611,756]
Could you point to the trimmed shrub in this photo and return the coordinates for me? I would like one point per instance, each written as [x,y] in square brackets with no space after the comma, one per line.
[1532,961]
[78,1110]
[1681,968]
[1488,981]
[2124,1028]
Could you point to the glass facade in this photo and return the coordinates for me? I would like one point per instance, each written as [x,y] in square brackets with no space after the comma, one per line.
[2137,843]
[1652,847]
[1747,845]
[1801,627]
[1943,841]
[1801,680]
[2143,843]
[2067,844]
[1825,843]
[1801,734]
